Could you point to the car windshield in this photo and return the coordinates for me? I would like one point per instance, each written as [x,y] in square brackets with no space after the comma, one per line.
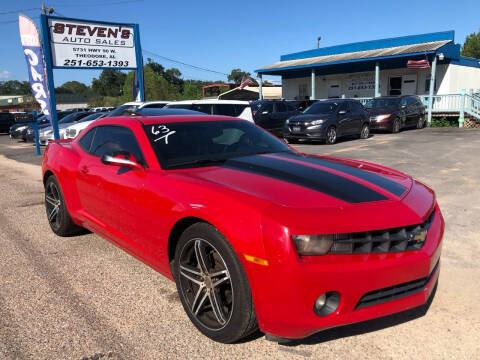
[202,143]
[381,103]
[321,108]
[257,105]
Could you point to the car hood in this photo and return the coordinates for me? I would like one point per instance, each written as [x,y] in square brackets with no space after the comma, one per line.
[382,110]
[302,190]
[303,118]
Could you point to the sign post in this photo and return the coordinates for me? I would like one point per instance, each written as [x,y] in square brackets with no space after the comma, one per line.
[86,44]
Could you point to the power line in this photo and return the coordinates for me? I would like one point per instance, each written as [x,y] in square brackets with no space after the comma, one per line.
[182,63]
[17,11]
[99,4]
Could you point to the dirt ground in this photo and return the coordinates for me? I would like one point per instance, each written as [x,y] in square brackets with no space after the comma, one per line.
[83,298]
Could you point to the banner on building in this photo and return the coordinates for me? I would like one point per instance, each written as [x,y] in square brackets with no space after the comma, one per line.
[36,67]
[90,44]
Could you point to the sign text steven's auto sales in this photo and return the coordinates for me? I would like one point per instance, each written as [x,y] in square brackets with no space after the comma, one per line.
[91,44]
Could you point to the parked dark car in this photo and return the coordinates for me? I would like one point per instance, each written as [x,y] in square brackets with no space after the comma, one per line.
[301,105]
[395,113]
[328,120]
[6,120]
[272,114]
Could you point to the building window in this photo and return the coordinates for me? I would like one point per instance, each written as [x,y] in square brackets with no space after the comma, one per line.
[302,92]
[427,85]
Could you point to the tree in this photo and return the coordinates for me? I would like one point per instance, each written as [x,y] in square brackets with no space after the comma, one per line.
[110,83]
[191,91]
[471,46]
[237,75]
[73,87]
[156,67]
[156,87]
[14,87]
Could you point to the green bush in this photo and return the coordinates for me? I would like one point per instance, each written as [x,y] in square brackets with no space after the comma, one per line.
[444,122]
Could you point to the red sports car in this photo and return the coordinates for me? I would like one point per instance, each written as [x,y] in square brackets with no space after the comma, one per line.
[254,233]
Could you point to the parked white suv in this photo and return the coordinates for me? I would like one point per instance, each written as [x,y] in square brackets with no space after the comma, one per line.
[234,108]
[134,105]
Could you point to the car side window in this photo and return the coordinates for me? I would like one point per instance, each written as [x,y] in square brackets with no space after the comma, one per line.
[86,141]
[204,108]
[224,109]
[411,101]
[113,138]
[403,102]
[267,108]
[281,107]
[239,108]
[343,107]
[356,107]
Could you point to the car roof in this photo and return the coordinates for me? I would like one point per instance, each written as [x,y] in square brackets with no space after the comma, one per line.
[151,120]
[209,101]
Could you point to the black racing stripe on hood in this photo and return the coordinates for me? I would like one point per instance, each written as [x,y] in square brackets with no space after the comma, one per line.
[384,183]
[307,176]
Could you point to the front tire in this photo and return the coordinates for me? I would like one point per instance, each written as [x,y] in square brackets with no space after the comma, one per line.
[57,214]
[396,126]
[331,136]
[212,285]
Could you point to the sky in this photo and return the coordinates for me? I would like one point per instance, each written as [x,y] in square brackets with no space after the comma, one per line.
[223,35]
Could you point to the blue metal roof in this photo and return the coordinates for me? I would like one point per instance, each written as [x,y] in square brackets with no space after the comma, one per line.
[372,45]
[383,50]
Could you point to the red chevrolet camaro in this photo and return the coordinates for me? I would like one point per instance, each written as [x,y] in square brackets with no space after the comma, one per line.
[254,233]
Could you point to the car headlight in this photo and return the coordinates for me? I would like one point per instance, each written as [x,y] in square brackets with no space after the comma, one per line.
[287,122]
[21,128]
[317,122]
[382,117]
[313,244]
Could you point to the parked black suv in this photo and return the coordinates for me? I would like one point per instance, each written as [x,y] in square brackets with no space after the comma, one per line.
[6,120]
[395,113]
[328,120]
[272,114]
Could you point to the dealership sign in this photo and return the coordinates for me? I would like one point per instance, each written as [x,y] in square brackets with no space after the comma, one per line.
[89,44]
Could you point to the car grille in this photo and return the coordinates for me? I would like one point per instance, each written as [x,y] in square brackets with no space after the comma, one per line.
[407,238]
[395,292]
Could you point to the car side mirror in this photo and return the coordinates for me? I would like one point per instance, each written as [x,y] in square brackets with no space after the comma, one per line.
[122,158]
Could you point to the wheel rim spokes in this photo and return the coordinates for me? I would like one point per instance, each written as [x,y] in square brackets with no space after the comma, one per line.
[206,284]
[53,203]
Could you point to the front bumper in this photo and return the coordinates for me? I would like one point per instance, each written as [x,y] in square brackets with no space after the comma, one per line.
[285,291]
[317,133]
[385,124]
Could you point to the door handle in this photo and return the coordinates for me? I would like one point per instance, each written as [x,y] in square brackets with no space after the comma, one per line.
[84,169]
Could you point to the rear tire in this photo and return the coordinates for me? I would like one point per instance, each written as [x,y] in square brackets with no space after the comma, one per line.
[212,285]
[420,122]
[57,214]
[331,136]
[365,132]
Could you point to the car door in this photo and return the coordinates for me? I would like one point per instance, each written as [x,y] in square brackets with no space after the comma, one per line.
[111,195]
[357,117]
[280,114]
[412,111]
[264,116]
[344,126]
[403,112]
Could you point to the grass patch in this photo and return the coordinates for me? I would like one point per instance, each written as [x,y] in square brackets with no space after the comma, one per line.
[444,122]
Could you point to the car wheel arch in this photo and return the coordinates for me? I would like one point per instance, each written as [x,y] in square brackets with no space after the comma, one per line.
[176,232]
[47,174]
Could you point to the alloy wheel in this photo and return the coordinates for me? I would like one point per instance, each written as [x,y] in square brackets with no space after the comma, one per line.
[206,284]
[365,132]
[53,205]
[331,135]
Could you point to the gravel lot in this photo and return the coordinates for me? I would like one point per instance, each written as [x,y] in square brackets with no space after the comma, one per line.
[83,298]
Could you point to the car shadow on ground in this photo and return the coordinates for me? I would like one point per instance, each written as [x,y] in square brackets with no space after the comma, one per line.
[365,326]
[341,140]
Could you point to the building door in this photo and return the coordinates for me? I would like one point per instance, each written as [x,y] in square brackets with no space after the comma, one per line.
[395,85]
[409,85]
[334,90]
